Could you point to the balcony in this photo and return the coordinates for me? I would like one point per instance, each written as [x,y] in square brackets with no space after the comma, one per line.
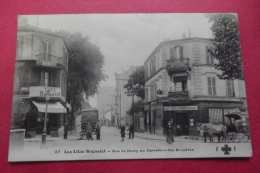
[49,61]
[178,96]
[178,65]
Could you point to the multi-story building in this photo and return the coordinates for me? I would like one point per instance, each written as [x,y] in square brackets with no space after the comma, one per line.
[122,100]
[104,100]
[182,87]
[41,65]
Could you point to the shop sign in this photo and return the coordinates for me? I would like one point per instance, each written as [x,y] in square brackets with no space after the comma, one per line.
[40,91]
[180,108]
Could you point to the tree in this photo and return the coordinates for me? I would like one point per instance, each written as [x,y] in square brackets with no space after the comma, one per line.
[138,83]
[84,70]
[136,107]
[20,108]
[137,88]
[227,49]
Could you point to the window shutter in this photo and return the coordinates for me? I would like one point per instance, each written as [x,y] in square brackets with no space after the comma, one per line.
[42,78]
[233,90]
[181,53]
[209,86]
[212,58]
[214,86]
[171,52]
[207,55]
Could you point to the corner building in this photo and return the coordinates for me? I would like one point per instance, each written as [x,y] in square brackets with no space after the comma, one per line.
[182,87]
[41,65]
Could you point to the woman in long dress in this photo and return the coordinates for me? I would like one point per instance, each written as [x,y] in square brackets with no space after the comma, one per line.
[169,133]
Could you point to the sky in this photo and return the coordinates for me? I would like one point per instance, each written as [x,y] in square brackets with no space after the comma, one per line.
[126,39]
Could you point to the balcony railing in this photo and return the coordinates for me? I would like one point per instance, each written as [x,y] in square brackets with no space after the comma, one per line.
[178,64]
[49,61]
[178,95]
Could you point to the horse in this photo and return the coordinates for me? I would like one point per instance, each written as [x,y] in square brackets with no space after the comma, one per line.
[209,129]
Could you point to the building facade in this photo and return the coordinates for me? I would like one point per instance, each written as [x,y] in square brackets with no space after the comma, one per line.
[182,87]
[122,101]
[104,101]
[41,66]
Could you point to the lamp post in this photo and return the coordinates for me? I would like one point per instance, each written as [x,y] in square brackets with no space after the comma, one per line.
[44,131]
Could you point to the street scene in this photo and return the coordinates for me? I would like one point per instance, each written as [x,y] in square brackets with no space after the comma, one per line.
[128,86]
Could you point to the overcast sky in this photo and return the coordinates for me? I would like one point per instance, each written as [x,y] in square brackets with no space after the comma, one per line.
[126,39]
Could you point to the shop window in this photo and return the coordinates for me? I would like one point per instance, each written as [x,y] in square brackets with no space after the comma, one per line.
[212,86]
[230,88]
[215,116]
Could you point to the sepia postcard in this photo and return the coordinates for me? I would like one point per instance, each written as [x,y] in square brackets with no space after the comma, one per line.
[128,86]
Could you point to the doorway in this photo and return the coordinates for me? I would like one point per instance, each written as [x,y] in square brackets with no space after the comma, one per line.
[182,124]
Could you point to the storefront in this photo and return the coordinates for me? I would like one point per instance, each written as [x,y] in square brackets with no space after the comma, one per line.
[185,116]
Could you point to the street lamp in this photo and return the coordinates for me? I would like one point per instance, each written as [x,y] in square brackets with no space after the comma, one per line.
[44,131]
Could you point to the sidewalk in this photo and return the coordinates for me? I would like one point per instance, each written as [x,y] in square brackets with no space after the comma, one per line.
[38,138]
[148,136]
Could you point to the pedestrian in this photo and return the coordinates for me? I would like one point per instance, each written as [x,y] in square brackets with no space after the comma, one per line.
[89,131]
[66,128]
[131,131]
[205,132]
[98,130]
[122,127]
[169,133]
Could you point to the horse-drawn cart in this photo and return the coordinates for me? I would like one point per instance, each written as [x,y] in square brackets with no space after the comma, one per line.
[236,132]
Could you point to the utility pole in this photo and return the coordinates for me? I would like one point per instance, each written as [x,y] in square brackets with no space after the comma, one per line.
[133,94]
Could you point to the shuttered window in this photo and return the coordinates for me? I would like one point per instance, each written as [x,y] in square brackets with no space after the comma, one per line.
[209,57]
[181,54]
[230,88]
[171,53]
[212,86]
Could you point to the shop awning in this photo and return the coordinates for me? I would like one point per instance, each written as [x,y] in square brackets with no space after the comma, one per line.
[55,107]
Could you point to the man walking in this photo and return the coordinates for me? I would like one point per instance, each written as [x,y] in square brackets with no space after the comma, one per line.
[122,127]
[131,131]
[66,128]
[89,131]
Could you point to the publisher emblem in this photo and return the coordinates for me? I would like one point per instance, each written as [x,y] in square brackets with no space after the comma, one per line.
[226,149]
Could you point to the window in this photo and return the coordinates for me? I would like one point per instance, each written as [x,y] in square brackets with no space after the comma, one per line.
[44,78]
[153,91]
[181,53]
[153,66]
[230,88]
[212,86]
[146,94]
[146,72]
[209,57]
[46,51]
[18,49]
[171,53]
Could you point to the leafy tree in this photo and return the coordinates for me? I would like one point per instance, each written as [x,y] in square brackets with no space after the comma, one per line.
[227,49]
[138,83]
[84,70]
[20,108]
[136,107]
